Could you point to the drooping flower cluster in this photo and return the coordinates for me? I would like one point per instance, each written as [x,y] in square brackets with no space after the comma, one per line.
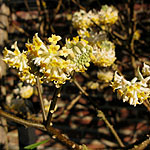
[134,92]
[46,61]
[90,26]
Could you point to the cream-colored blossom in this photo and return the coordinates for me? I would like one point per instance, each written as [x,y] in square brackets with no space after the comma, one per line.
[54,39]
[47,58]
[81,20]
[108,14]
[79,54]
[146,70]
[27,77]
[26,91]
[16,59]
[105,76]
[103,54]
[134,92]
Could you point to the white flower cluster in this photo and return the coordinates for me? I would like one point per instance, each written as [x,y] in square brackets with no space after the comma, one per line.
[134,91]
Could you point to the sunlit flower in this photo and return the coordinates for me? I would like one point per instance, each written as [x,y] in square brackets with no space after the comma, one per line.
[26,91]
[81,20]
[146,70]
[47,58]
[104,54]
[134,92]
[105,76]
[54,39]
[27,77]
[79,53]
[108,14]
[16,59]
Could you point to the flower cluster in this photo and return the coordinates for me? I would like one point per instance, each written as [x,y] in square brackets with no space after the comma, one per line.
[84,20]
[104,53]
[108,15]
[78,53]
[46,61]
[134,92]
[88,27]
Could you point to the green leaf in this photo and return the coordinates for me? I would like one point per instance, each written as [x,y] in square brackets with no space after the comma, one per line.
[32,146]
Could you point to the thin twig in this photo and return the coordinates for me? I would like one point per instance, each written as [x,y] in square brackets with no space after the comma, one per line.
[141,146]
[72,103]
[101,115]
[51,130]
[58,7]
[78,4]
[147,105]
[52,106]
[41,98]
[81,89]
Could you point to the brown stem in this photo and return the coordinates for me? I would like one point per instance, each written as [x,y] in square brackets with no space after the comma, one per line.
[80,88]
[141,146]
[101,115]
[52,106]
[41,98]
[5,127]
[147,105]
[55,133]
[72,103]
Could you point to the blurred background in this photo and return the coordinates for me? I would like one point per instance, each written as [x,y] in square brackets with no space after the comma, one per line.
[19,21]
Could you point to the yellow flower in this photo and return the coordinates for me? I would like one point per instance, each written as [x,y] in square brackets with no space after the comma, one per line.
[26,91]
[134,92]
[27,77]
[108,14]
[103,54]
[54,39]
[81,20]
[79,54]
[16,59]
[47,57]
